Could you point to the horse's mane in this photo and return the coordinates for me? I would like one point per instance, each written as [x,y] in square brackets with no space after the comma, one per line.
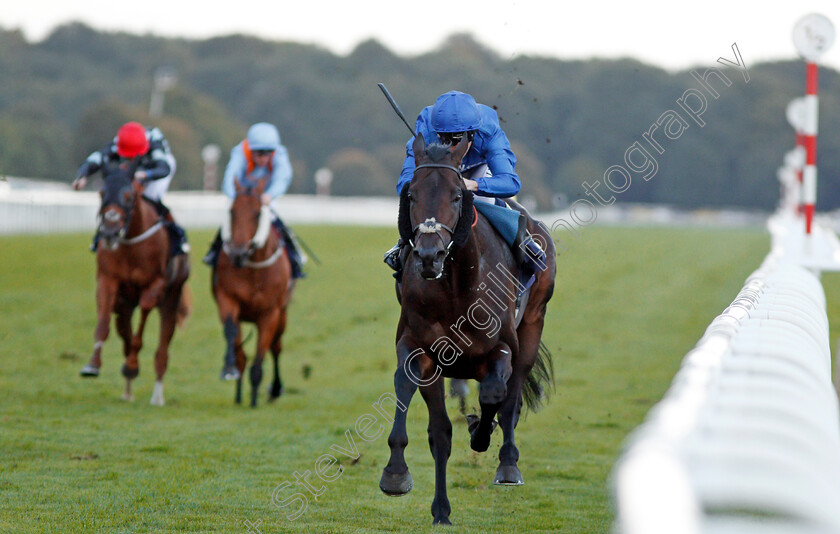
[437,152]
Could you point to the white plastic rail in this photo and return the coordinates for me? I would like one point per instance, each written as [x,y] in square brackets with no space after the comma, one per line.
[747,438]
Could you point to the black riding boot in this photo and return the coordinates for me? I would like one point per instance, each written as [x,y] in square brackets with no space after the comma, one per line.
[393,258]
[295,257]
[212,255]
[176,232]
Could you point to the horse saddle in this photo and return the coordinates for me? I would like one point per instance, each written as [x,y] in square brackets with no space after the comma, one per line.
[512,224]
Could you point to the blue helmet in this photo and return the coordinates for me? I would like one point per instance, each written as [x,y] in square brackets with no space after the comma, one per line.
[263,136]
[455,112]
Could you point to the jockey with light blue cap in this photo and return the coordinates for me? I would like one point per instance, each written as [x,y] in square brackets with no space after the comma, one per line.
[259,156]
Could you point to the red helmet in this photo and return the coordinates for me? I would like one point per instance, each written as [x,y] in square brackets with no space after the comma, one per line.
[132,140]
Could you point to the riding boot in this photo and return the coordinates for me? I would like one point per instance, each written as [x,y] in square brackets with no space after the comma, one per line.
[295,257]
[180,245]
[212,255]
[179,236]
[393,258]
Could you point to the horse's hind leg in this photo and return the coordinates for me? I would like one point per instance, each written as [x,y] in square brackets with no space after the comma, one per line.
[440,443]
[491,393]
[106,296]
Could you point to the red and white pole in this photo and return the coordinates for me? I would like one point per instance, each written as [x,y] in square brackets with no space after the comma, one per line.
[809,140]
[812,35]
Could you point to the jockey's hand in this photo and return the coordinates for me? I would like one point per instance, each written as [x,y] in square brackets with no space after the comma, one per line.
[472,185]
[266,199]
[141,175]
[79,182]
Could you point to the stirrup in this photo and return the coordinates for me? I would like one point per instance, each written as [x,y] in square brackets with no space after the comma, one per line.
[392,258]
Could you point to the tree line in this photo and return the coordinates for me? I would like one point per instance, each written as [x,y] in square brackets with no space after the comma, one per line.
[569,122]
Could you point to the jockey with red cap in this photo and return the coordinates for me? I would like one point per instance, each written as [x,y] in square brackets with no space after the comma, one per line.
[149,150]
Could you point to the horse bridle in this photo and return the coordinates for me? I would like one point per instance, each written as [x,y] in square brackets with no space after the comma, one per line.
[430,225]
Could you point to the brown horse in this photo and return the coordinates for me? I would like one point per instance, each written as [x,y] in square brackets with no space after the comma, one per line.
[458,297]
[252,282]
[135,267]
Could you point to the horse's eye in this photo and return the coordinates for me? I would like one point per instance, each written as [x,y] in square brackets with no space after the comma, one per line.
[457,197]
[411,197]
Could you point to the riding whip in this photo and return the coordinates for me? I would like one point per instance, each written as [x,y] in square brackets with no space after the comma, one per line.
[395,106]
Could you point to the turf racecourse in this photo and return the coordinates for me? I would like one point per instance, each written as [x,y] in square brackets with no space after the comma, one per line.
[630,302]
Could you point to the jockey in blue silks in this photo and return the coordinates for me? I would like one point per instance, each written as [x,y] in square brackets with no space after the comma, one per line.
[488,166]
[260,155]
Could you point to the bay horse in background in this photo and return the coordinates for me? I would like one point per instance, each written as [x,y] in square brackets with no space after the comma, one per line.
[454,325]
[252,282]
[135,267]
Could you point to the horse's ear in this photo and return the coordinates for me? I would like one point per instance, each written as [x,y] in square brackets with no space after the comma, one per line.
[126,195]
[239,187]
[138,186]
[419,146]
[460,149]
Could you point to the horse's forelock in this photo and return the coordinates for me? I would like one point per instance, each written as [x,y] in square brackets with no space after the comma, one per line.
[437,151]
[114,184]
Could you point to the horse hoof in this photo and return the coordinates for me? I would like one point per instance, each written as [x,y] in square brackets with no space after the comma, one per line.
[275,392]
[395,484]
[492,391]
[129,373]
[441,521]
[230,373]
[128,397]
[508,475]
[89,371]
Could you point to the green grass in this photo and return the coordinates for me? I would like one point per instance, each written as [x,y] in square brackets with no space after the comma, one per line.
[630,302]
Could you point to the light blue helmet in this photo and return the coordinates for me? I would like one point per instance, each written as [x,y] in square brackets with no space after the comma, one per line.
[455,112]
[263,136]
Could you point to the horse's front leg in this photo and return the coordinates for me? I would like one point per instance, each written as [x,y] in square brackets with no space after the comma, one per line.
[168,320]
[396,480]
[267,328]
[106,296]
[440,443]
[229,316]
[491,392]
[149,298]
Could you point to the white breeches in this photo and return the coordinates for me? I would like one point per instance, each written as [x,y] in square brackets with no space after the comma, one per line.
[155,189]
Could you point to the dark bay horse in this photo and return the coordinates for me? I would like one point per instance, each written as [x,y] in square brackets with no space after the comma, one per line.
[252,282]
[135,267]
[458,295]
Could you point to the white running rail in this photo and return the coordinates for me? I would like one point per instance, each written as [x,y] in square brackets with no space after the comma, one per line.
[747,438]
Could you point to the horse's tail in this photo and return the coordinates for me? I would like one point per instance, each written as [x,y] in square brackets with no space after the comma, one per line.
[184,306]
[540,380]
